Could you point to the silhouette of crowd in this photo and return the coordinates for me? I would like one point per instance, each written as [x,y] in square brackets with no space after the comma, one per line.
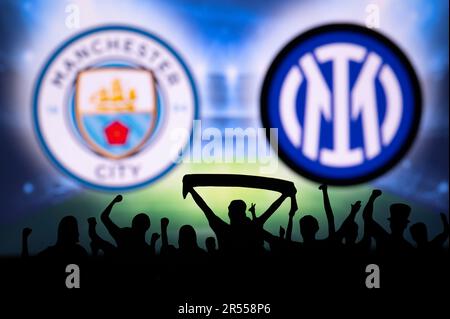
[244,237]
[244,261]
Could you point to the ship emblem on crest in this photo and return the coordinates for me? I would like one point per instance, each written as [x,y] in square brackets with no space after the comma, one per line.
[116,110]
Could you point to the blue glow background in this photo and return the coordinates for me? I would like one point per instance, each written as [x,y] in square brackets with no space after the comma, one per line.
[228,46]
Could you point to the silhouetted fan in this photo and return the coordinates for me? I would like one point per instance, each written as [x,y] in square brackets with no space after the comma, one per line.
[242,236]
[392,244]
[67,245]
[188,248]
[419,233]
[98,243]
[130,241]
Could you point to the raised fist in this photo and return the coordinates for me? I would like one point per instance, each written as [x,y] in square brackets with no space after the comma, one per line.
[26,232]
[323,187]
[376,193]
[155,237]
[92,221]
[164,222]
[118,198]
[356,206]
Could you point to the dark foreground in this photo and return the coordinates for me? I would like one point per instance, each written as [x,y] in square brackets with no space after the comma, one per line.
[288,288]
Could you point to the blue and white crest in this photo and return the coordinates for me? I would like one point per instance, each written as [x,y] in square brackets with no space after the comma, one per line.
[107,105]
[346,102]
[115,109]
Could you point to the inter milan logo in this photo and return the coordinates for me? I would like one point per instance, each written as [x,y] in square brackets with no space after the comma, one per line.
[106,104]
[346,102]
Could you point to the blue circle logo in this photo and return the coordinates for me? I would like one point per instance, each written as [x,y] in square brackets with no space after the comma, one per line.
[346,102]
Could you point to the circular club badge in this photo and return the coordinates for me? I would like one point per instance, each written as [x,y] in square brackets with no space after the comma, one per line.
[346,102]
[106,105]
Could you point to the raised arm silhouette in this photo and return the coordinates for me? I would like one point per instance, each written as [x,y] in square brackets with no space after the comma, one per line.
[242,236]
[130,240]
[347,235]
[261,220]
[392,244]
[419,233]
[252,211]
[26,232]
[328,211]
[309,226]
[349,228]
[98,243]
[290,224]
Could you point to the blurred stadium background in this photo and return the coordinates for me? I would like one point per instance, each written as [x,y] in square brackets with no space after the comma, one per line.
[228,46]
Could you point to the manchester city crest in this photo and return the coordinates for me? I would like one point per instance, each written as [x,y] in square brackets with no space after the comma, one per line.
[115,110]
[107,104]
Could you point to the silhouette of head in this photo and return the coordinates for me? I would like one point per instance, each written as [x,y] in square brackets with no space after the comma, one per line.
[140,223]
[399,217]
[68,231]
[419,233]
[308,227]
[236,211]
[187,237]
[210,244]
[351,233]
